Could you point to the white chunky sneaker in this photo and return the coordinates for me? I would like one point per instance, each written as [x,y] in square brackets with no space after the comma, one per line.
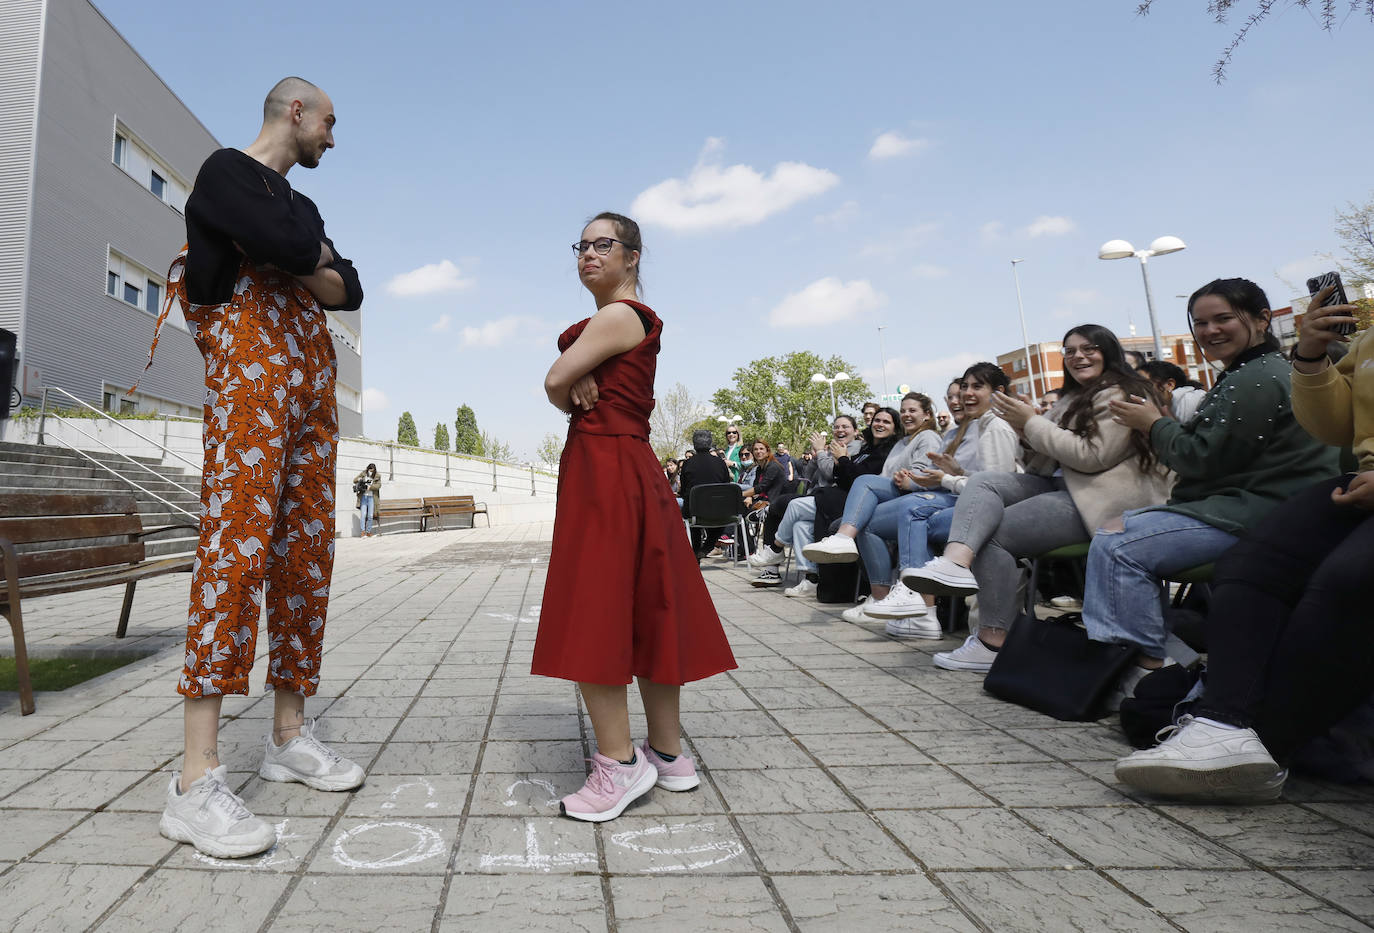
[914,627]
[899,603]
[213,818]
[804,589]
[972,655]
[832,549]
[1201,760]
[940,576]
[309,761]
[765,556]
[856,613]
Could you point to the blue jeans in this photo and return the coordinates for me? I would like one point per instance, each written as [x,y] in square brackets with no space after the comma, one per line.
[369,508]
[1123,600]
[914,520]
[867,493]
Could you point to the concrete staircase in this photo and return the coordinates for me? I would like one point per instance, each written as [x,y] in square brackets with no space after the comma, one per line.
[31,468]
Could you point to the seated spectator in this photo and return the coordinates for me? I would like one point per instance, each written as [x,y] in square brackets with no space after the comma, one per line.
[1182,394]
[671,470]
[769,478]
[795,528]
[1083,470]
[878,440]
[869,410]
[733,452]
[701,471]
[1047,400]
[1290,648]
[1241,455]
[746,468]
[1135,359]
[873,500]
[786,461]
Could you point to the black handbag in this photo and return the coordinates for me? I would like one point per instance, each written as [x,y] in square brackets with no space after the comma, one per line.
[1051,666]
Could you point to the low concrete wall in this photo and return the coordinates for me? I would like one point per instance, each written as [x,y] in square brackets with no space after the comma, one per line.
[514,493]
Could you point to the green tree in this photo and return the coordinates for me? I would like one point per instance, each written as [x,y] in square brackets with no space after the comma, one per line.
[1257,11]
[550,449]
[467,439]
[775,398]
[441,436]
[405,431]
[495,449]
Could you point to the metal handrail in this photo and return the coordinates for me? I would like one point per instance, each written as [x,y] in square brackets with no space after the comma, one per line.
[120,476]
[43,417]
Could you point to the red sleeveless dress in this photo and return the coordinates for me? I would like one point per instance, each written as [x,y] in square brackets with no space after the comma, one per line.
[624,597]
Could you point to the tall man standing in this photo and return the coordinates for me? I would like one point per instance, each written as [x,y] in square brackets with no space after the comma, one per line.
[256,273]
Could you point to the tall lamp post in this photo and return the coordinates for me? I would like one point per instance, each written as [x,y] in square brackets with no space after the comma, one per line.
[882,354]
[831,380]
[1120,249]
[1025,338]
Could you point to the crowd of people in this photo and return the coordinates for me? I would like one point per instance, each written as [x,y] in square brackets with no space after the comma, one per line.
[1268,476]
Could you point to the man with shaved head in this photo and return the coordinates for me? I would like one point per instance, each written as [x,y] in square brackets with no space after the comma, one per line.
[253,281]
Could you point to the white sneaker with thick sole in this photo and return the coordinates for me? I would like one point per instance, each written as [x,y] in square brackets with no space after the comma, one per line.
[940,576]
[856,613]
[899,603]
[1198,759]
[1066,602]
[832,549]
[972,655]
[306,760]
[213,818]
[765,556]
[802,590]
[914,627]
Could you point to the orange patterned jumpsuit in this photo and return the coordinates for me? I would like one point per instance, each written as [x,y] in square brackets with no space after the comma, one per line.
[267,492]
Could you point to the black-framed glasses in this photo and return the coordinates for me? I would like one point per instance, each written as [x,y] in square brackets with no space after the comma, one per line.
[601,244]
[1084,349]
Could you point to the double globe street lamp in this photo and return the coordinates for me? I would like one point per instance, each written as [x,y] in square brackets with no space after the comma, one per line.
[1120,249]
[831,380]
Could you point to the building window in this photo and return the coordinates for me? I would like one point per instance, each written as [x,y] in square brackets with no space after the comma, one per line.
[127,406]
[132,294]
[112,284]
[108,402]
[133,284]
[143,165]
[154,303]
[158,186]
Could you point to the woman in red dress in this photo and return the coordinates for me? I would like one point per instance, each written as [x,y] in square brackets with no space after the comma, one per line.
[624,597]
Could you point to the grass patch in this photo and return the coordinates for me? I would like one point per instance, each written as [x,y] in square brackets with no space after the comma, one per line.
[59,673]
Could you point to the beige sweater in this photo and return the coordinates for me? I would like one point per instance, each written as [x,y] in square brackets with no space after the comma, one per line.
[1336,405]
[1102,473]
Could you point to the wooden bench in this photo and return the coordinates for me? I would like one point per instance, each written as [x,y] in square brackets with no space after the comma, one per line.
[413,509]
[442,506]
[68,542]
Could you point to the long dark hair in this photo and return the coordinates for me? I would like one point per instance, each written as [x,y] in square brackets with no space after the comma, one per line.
[875,445]
[1116,372]
[989,374]
[1244,297]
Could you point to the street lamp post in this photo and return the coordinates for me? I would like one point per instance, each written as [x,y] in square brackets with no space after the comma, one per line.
[882,354]
[1162,246]
[831,380]
[1025,338]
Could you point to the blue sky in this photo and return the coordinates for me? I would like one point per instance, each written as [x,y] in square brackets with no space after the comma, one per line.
[803,172]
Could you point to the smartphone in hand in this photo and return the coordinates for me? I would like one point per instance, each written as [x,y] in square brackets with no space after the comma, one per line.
[1337,297]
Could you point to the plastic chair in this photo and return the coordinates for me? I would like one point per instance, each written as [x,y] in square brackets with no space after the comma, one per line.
[719,505]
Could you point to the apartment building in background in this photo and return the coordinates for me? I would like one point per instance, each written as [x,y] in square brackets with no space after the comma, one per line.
[97,156]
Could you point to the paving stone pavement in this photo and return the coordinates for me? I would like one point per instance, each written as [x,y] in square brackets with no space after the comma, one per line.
[847,785]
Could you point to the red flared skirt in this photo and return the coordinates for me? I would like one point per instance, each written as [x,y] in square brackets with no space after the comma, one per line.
[624,597]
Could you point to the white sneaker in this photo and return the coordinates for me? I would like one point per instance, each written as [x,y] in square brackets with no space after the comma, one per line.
[899,603]
[803,590]
[213,818]
[309,761]
[940,576]
[972,655]
[832,549]
[1066,602]
[914,627]
[769,577]
[856,613]
[1198,759]
[765,556]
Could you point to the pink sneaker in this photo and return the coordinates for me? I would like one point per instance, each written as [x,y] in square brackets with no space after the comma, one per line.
[678,774]
[610,788]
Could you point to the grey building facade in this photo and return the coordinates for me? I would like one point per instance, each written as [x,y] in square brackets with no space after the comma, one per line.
[97,156]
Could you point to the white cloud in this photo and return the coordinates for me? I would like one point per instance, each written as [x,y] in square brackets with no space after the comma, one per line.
[929,376]
[826,301]
[929,270]
[991,231]
[840,216]
[713,196]
[441,325]
[434,279]
[904,242]
[892,145]
[494,333]
[375,400]
[1051,226]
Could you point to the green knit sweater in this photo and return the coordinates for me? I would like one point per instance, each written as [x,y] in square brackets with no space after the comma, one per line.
[1243,452]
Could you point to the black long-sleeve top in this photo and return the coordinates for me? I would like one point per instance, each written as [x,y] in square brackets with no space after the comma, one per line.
[701,470]
[868,462]
[239,203]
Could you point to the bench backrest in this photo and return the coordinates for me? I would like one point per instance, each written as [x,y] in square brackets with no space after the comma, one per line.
[66,532]
[394,505]
[451,502]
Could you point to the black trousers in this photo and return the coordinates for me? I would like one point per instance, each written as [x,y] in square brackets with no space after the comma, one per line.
[777,508]
[829,509]
[1290,633]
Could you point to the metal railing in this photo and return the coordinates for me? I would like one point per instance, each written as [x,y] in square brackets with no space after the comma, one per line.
[449,468]
[43,416]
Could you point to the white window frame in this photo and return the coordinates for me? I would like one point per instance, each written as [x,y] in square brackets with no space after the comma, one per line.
[175,189]
[130,274]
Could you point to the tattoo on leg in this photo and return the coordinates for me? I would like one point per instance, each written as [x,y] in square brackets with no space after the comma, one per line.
[210,754]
